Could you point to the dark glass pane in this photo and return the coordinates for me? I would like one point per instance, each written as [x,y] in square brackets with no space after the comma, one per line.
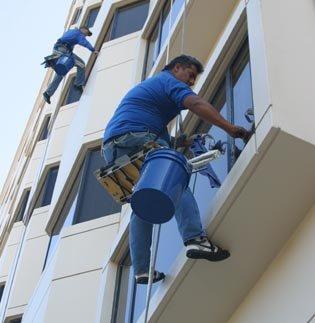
[76,16]
[17,320]
[124,294]
[49,186]
[73,94]
[177,5]
[242,95]
[130,19]
[44,132]
[165,24]
[92,17]
[153,49]
[94,201]
[1,291]
[20,214]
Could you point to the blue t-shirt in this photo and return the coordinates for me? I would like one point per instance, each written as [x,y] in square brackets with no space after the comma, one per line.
[149,106]
[73,37]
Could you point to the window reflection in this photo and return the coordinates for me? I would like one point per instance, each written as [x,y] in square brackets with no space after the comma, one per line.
[161,32]
[199,183]
[242,98]
[165,23]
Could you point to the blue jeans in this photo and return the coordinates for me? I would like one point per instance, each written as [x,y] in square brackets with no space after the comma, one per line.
[140,232]
[78,62]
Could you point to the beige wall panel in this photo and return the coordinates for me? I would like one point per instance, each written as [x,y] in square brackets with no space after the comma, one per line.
[285,292]
[29,270]
[106,294]
[84,251]
[107,94]
[39,149]
[258,60]
[6,260]
[118,51]
[74,299]
[31,172]
[65,116]
[89,3]
[206,20]
[15,234]
[37,225]
[290,49]
[57,142]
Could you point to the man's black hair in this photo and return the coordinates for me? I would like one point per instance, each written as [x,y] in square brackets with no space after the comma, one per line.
[185,61]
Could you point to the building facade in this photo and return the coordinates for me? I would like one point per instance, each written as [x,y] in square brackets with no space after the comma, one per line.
[64,240]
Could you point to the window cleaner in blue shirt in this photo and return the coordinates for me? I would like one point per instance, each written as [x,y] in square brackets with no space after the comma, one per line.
[142,116]
[65,45]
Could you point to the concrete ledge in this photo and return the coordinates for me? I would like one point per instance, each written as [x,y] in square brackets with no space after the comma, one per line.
[255,219]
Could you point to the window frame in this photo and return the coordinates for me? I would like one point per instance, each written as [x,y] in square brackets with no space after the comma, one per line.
[44,187]
[79,180]
[2,287]
[18,216]
[66,91]
[118,284]
[88,11]
[113,20]
[76,15]
[44,128]
[226,79]
[159,23]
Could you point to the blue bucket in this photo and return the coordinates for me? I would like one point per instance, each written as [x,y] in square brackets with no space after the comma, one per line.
[64,64]
[165,175]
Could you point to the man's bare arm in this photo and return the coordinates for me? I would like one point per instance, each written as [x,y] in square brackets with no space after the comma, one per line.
[208,113]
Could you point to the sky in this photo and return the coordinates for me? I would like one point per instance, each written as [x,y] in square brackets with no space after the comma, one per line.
[29,29]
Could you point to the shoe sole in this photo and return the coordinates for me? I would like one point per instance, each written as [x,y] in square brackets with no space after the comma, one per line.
[145,280]
[199,254]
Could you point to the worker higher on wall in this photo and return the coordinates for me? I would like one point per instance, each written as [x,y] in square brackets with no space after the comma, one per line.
[63,59]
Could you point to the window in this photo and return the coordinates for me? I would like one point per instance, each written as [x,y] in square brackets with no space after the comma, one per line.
[22,207]
[129,300]
[1,291]
[44,131]
[86,201]
[47,188]
[15,320]
[127,20]
[76,16]
[161,31]
[73,94]
[233,99]
[91,17]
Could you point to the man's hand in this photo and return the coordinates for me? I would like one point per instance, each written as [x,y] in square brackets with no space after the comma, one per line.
[240,132]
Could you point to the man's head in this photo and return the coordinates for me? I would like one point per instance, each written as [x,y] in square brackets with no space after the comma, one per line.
[185,68]
[86,31]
